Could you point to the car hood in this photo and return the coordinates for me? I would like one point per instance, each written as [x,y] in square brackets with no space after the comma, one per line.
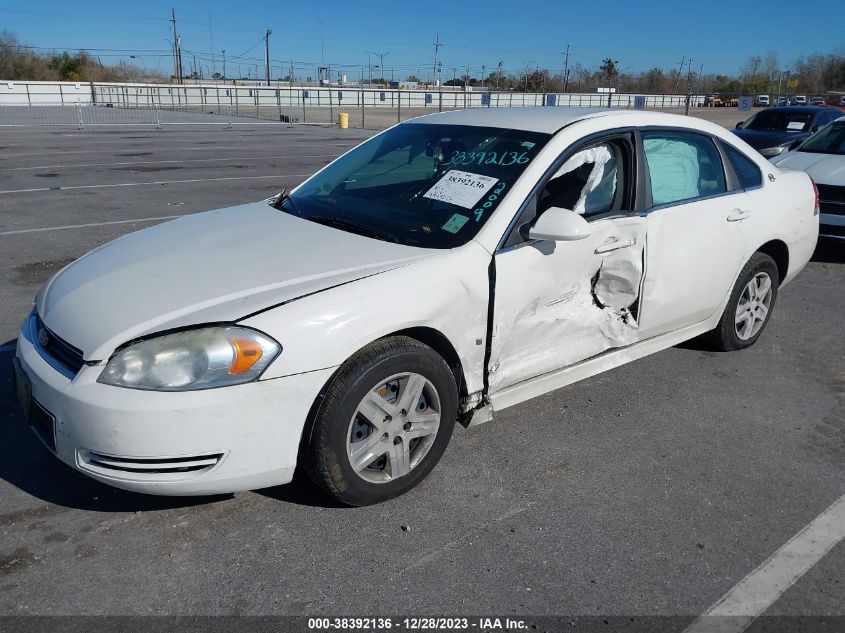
[217,266]
[826,169]
[761,139]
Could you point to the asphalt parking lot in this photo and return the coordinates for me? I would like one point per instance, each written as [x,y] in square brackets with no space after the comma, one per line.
[649,490]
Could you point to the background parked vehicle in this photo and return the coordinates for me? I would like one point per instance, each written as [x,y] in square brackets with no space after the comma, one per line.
[776,130]
[762,101]
[818,101]
[723,101]
[823,157]
[783,101]
[799,100]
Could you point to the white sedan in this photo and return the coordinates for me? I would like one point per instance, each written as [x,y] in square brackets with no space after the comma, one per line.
[447,268]
[823,157]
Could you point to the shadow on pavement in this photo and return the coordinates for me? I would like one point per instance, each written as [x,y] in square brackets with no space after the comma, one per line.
[301,491]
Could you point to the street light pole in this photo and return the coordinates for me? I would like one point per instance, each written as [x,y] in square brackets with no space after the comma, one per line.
[224,64]
[267,55]
[566,68]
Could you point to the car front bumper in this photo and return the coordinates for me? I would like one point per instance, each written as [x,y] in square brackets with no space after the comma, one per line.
[212,441]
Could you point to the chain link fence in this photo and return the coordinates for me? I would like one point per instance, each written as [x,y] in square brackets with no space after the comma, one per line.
[94,104]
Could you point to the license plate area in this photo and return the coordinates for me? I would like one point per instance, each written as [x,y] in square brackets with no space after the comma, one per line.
[43,425]
[42,422]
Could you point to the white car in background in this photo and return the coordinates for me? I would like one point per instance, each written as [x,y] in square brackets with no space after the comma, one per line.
[823,157]
[448,268]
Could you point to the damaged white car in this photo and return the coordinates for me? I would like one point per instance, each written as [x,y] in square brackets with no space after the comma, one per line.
[445,269]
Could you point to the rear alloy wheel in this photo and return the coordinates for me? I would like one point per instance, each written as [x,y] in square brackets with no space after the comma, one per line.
[753,306]
[384,422]
[749,307]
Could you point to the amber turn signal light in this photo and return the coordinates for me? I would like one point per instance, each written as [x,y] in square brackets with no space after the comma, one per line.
[247,354]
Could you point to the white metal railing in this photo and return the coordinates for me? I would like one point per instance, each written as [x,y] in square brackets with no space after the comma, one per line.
[82,104]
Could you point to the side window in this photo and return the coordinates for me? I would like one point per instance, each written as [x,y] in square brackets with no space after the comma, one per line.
[589,182]
[682,166]
[746,169]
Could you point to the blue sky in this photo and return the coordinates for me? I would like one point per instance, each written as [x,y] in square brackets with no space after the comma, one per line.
[641,35]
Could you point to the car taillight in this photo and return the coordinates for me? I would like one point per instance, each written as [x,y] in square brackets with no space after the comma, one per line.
[816,191]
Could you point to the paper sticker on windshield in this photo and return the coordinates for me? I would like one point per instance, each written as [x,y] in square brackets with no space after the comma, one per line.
[460,188]
[795,125]
[455,223]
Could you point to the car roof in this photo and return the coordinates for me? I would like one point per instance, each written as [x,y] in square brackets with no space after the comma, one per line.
[535,119]
[805,108]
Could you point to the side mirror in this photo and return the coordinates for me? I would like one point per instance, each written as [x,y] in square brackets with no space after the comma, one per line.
[559,225]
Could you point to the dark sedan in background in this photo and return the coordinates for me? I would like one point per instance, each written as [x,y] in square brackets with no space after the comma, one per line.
[776,130]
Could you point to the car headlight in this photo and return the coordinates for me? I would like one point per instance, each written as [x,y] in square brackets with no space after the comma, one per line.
[203,358]
[773,151]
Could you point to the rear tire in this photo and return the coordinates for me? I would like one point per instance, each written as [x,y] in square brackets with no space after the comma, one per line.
[749,307]
[384,422]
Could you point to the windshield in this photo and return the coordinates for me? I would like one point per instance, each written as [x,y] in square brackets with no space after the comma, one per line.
[779,121]
[426,185]
[828,140]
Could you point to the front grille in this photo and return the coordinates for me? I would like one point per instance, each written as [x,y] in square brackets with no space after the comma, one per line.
[58,349]
[831,199]
[831,193]
[152,466]
[832,230]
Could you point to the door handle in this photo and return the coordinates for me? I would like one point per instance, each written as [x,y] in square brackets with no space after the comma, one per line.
[614,246]
[738,215]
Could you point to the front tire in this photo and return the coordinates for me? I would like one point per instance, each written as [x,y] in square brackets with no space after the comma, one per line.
[749,307]
[384,422]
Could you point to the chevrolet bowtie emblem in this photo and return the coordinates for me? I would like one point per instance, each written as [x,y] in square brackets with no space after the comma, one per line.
[43,337]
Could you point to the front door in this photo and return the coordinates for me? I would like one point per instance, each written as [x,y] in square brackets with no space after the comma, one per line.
[558,303]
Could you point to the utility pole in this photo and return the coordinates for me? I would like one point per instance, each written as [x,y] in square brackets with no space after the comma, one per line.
[224,63]
[267,55]
[689,86]
[370,65]
[483,68]
[566,68]
[678,78]
[499,76]
[437,46]
[177,53]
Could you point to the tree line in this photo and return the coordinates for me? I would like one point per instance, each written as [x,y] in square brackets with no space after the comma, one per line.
[19,63]
[812,74]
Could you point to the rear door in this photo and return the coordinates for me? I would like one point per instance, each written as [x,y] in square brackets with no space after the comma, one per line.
[695,240]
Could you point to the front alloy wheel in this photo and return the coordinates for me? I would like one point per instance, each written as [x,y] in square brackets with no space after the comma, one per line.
[393,428]
[384,422]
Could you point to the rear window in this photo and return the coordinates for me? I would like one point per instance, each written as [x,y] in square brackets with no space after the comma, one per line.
[746,169]
[779,121]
